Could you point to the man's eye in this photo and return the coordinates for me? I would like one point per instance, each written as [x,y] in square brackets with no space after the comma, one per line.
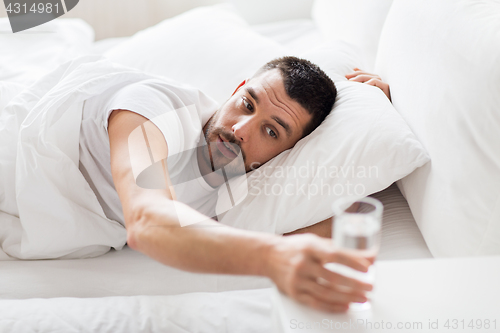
[247,105]
[271,132]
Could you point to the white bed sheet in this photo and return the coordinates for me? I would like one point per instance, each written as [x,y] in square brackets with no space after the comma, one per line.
[117,273]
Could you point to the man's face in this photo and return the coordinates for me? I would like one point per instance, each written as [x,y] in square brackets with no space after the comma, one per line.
[260,119]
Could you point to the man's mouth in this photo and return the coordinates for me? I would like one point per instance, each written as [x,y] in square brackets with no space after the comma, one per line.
[225,148]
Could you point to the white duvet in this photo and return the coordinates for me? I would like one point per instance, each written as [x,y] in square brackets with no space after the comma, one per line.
[247,311]
[47,209]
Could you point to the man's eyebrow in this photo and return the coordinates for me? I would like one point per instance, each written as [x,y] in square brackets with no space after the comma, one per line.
[284,125]
[252,93]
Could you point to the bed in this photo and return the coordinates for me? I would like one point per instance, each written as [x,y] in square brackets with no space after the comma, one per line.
[125,291]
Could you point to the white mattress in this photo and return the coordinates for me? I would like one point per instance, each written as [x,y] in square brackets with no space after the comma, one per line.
[401,238]
[117,273]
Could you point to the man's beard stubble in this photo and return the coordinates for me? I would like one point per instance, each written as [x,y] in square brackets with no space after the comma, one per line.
[232,167]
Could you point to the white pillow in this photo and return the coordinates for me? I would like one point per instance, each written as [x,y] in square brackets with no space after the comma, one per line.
[218,51]
[337,58]
[266,11]
[27,56]
[361,148]
[355,21]
[444,73]
[211,48]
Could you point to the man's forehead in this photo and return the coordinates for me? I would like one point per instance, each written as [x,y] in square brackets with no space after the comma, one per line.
[270,85]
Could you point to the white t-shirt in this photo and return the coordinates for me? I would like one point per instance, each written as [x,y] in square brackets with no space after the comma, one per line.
[179,111]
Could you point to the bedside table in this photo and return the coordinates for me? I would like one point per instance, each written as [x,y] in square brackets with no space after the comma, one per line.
[422,295]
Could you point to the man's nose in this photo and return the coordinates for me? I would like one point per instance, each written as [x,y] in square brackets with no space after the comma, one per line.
[243,128]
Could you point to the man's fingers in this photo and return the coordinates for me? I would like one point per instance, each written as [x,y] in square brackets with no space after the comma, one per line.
[371,259]
[358,72]
[331,295]
[326,252]
[317,304]
[348,258]
[332,278]
[380,84]
[363,78]
[376,82]
[371,79]
[353,74]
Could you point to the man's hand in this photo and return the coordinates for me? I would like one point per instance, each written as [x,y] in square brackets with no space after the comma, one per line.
[372,79]
[295,264]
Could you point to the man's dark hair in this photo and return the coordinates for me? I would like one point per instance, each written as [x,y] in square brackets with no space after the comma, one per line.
[308,85]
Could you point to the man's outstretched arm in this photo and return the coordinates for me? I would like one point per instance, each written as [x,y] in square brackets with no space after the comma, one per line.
[294,263]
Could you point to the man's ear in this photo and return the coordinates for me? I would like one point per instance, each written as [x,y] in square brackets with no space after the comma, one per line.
[241,85]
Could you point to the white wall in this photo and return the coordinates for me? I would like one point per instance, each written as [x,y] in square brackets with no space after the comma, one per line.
[118,18]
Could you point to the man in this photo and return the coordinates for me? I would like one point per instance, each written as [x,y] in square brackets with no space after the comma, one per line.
[267,114]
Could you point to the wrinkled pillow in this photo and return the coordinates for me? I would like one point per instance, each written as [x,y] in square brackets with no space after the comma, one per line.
[362,147]
[265,11]
[211,48]
[355,21]
[444,73]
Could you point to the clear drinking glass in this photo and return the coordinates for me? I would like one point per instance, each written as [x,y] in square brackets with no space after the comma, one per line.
[357,229]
